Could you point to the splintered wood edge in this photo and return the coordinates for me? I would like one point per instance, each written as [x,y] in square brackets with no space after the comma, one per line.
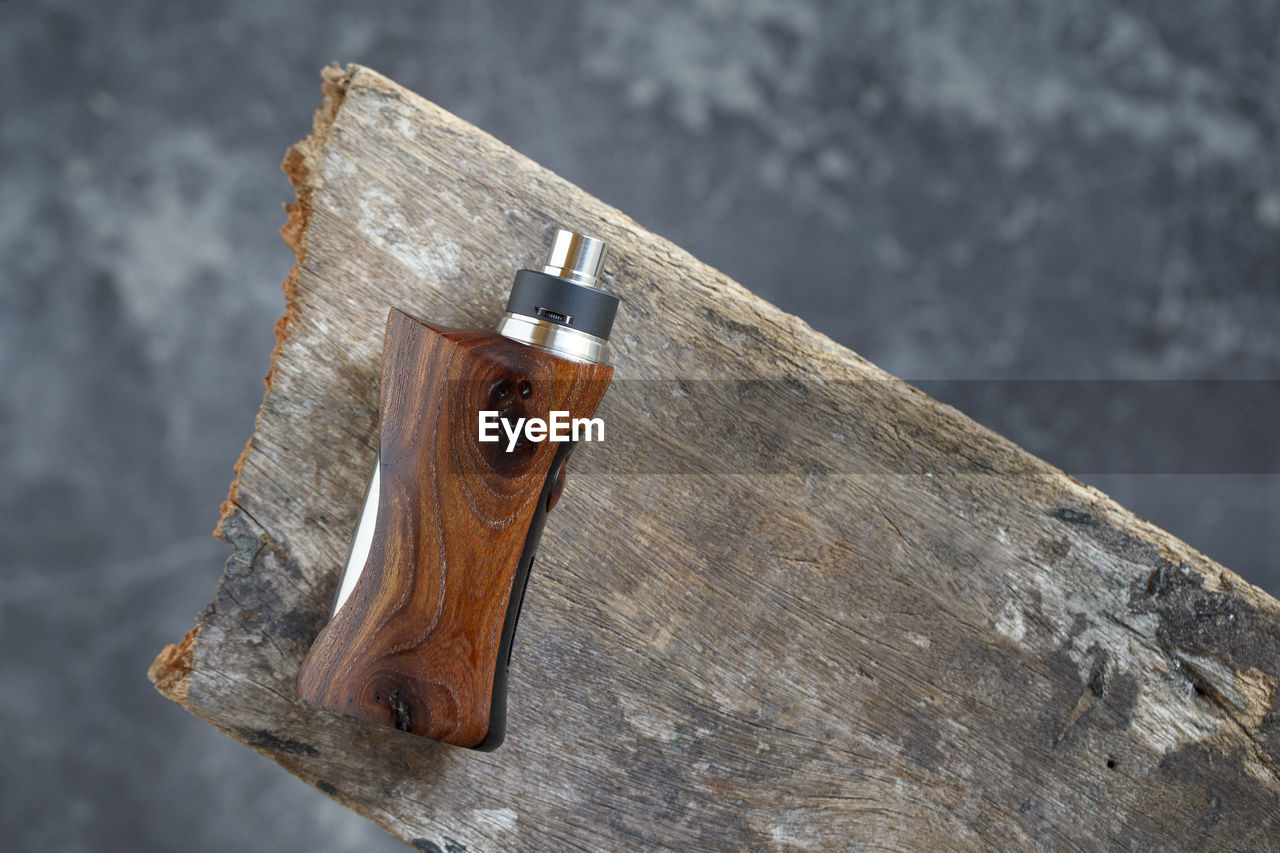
[302,163]
[170,672]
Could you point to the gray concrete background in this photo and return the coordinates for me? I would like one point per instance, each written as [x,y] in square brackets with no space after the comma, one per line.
[960,191]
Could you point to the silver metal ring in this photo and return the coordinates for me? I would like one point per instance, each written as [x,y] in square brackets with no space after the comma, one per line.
[555,338]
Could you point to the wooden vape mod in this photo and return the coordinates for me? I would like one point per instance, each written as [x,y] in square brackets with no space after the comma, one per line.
[421,631]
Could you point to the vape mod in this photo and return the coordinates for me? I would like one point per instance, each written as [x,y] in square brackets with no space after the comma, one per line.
[421,631]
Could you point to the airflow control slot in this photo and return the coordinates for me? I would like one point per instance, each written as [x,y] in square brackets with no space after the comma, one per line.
[554,316]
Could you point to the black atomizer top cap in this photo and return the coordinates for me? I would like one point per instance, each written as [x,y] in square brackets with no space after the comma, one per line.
[563,308]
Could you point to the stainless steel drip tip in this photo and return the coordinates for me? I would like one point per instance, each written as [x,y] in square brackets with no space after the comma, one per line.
[576,257]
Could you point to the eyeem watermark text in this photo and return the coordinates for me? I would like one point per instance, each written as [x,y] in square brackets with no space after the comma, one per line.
[557,427]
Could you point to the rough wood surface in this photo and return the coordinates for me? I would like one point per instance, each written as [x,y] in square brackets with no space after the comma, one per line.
[789,603]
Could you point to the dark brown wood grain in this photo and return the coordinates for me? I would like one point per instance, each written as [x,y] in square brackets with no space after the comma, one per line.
[415,646]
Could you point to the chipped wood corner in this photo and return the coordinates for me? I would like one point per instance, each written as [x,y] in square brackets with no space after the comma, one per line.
[170,672]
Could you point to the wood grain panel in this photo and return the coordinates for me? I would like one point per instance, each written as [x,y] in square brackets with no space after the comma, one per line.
[415,646]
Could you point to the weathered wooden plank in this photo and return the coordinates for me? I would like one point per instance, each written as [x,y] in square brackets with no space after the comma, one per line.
[791,602]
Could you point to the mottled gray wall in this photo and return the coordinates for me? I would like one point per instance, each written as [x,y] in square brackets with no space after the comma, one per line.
[959,191]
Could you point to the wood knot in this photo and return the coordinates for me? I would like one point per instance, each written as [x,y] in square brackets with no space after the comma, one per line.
[399,707]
